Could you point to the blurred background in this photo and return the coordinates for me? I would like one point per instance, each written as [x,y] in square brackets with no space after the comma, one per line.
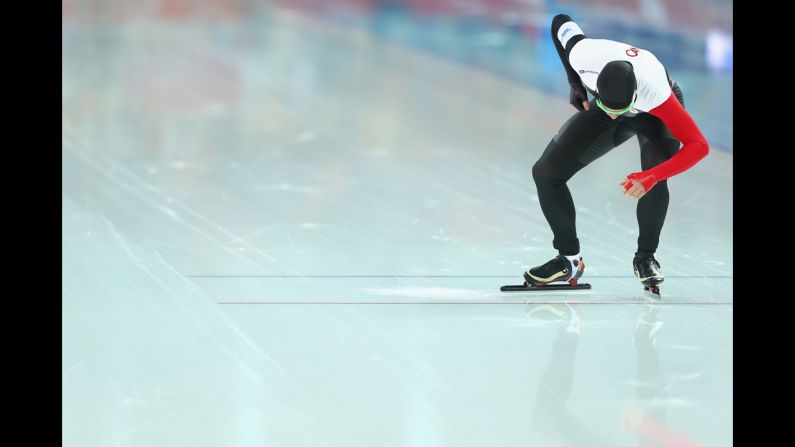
[509,38]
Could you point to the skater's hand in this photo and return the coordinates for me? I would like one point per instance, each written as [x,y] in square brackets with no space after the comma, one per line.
[637,184]
[633,188]
[578,97]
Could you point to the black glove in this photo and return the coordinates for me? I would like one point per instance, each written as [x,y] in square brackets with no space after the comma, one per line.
[577,96]
[678,93]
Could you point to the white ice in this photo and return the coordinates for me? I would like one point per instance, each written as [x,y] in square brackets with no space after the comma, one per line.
[290,233]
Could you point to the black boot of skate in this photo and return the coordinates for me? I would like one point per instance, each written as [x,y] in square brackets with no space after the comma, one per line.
[647,270]
[558,269]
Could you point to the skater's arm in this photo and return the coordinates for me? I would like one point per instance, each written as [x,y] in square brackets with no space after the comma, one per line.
[565,33]
[694,148]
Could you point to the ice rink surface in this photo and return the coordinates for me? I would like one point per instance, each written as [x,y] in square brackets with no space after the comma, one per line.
[290,233]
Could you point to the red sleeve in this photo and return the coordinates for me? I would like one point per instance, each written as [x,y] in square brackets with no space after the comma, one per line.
[679,122]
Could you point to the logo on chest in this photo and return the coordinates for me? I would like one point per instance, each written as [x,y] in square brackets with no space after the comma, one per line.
[632,52]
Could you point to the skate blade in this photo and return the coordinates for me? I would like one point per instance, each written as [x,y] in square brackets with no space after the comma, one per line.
[548,287]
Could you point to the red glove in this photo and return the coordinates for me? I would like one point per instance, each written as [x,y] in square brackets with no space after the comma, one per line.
[646,179]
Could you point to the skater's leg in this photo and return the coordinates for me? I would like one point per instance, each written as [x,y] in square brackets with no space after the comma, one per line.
[586,136]
[657,145]
[550,173]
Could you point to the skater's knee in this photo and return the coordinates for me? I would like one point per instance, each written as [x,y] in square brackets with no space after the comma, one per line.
[538,171]
[543,173]
[659,153]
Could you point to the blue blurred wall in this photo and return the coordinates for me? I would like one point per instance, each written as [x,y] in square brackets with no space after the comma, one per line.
[511,38]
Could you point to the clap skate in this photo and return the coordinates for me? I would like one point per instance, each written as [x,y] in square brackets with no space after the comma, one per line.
[559,269]
[647,270]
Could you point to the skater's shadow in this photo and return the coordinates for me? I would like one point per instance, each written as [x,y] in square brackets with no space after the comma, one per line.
[645,420]
[552,419]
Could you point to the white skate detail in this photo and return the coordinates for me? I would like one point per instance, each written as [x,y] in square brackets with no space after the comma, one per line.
[654,277]
[549,279]
[575,268]
[649,277]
